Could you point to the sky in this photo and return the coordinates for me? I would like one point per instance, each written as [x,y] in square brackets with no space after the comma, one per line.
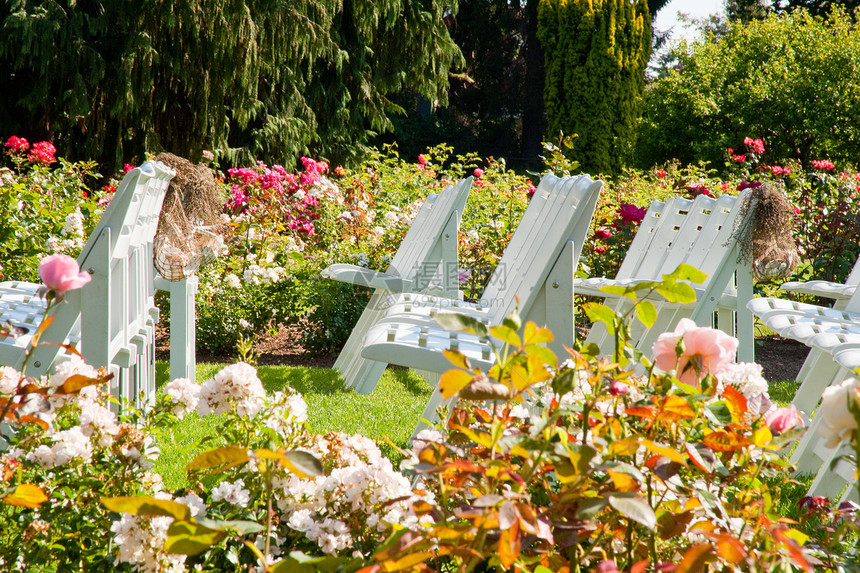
[668,16]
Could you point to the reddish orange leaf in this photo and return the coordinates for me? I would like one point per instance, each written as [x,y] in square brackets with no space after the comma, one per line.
[641,411]
[46,322]
[674,408]
[794,549]
[38,421]
[701,456]
[75,382]
[695,558]
[736,401]
[509,546]
[730,548]
[725,441]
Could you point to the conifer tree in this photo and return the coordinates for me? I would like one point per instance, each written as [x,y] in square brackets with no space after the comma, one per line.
[596,54]
[268,79]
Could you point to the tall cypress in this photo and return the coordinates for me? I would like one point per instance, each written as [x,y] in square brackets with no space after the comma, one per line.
[596,52]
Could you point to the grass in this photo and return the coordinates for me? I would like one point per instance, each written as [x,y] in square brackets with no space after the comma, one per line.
[391,411]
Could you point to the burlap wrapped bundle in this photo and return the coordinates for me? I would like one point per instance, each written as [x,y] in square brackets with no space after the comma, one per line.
[765,233]
[190,231]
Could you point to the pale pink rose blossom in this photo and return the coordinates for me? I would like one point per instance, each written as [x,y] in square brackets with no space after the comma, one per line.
[61,273]
[783,419]
[705,351]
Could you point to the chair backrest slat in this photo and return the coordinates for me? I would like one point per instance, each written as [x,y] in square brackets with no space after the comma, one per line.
[427,228]
[560,210]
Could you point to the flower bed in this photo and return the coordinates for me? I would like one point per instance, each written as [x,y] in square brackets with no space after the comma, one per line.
[546,464]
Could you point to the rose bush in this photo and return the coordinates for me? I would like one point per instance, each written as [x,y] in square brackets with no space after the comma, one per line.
[47,206]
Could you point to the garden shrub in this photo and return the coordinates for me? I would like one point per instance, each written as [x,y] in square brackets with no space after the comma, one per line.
[789,79]
[46,205]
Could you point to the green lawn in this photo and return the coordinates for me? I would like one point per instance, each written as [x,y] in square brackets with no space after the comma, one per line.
[391,411]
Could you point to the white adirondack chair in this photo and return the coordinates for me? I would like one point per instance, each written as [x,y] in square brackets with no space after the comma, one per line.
[112,317]
[536,270]
[699,233]
[840,293]
[428,250]
[833,336]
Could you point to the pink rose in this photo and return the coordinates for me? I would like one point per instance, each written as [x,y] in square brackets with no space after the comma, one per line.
[478,172]
[705,350]
[61,273]
[783,419]
[42,152]
[754,145]
[631,213]
[617,388]
[602,233]
[17,144]
[422,159]
[661,173]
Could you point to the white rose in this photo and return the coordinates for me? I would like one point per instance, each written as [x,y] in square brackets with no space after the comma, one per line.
[838,421]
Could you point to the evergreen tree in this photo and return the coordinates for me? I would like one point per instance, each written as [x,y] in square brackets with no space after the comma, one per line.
[815,7]
[596,54]
[268,79]
[747,10]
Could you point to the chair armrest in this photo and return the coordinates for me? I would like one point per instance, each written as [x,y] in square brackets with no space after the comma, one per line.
[362,276]
[823,289]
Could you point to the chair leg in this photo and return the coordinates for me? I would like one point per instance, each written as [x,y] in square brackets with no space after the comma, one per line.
[822,372]
[433,404]
[358,372]
[183,329]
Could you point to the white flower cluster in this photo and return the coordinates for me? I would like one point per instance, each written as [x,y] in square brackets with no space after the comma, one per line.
[9,378]
[353,501]
[326,189]
[292,245]
[256,274]
[141,542]
[231,492]
[361,259]
[72,233]
[7,177]
[236,385]
[285,411]
[404,215]
[184,394]
[97,427]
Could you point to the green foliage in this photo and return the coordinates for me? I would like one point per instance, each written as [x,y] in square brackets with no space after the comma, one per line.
[596,54]
[246,78]
[789,79]
[45,209]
